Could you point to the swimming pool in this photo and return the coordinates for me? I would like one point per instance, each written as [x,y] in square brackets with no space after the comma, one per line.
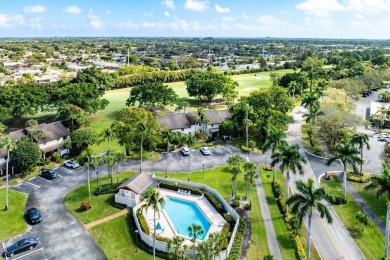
[183,214]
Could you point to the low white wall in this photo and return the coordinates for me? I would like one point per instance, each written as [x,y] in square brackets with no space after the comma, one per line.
[125,201]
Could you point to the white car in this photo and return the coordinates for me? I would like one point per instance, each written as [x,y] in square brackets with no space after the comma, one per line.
[71,164]
[383,137]
[205,150]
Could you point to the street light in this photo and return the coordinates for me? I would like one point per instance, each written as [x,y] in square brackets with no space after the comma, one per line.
[203,171]
[136,240]
[189,167]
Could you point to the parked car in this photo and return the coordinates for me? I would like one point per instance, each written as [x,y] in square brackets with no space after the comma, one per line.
[71,164]
[34,215]
[185,151]
[22,245]
[383,137]
[205,150]
[49,174]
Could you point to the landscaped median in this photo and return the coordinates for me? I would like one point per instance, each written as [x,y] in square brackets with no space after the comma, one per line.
[369,239]
[12,221]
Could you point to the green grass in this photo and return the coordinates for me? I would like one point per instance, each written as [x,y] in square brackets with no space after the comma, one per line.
[219,178]
[371,240]
[286,244]
[12,220]
[115,240]
[101,205]
[378,205]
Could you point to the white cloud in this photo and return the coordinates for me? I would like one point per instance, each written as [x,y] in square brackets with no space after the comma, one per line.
[169,3]
[147,14]
[321,8]
[195,5]
[374,6]
[127,25]
[318,22]
[270,20]
[247,16]
[72,10]
[166,13]
[177,25]
[221,9]
[35,22]
[7,21]
[35,9]
[94,20]
[228,18]
[108,12]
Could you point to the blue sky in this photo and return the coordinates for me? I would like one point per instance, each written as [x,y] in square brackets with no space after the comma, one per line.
[196,18]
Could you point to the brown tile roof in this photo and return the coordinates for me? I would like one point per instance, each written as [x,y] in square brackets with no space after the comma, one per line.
[52,131]
[217,116]
[137,183]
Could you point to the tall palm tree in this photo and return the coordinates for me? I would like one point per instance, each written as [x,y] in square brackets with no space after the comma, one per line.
[151,199]
[235,161]
[248,109]
[310,100]
[347,153]
[290,159]
[67,143]
[107,134]
[304,202]
[9,145]
[360,140]
[274,138]
[110,161]
[250,175]
[175,243]
[311,117]
[142,129]
[31,123]
[210,248]
[194,231]
[87,154]
[382,185]
[95,163]
[167,137]
[38,134]
[293,87]
[119,157]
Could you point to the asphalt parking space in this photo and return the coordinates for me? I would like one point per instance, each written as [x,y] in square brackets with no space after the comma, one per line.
[176,156]
[37,253]
[217,151]
[225,149]
[232,149]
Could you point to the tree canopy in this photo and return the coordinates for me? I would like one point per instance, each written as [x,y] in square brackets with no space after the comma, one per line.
[25,156]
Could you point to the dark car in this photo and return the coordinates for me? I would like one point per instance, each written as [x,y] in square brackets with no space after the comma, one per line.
[49,174]
[24,244]
[34,215]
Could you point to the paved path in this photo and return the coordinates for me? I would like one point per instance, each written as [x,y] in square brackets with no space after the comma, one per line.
[273,244]
[105,219]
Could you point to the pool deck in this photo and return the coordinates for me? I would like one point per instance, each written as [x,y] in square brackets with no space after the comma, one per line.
[169,231]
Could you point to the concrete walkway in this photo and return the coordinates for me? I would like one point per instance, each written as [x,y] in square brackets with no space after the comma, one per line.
[273,244]
[105,219]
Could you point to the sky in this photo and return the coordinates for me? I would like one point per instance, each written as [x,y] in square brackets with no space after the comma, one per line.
[365,19]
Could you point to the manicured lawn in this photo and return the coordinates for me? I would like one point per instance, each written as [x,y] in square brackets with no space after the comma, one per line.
[378,205]
[12,220]
[115,240]
[101,205]
[219,178]
[371,240]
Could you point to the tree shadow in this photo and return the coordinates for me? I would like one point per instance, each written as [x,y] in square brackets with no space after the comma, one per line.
[356,232]
[285,241]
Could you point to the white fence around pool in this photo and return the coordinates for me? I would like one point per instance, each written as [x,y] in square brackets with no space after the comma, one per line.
[162,246]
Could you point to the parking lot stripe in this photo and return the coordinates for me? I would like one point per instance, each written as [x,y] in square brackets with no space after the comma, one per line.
[17,185]
[29,253]
[170,155]
[32,184]
[218,150]
[59,175]
[33,178]
[3,245]
[44,178]
[228,149]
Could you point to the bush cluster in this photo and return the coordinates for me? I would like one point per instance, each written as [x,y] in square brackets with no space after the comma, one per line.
[236,248]
[235,203]
[85,205]
[117,205]
[299,249]
[105,189]
[56,157]
[142,222]
[334,200]
[351,176]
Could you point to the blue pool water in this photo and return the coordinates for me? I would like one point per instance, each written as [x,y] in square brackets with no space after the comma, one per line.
[183,214]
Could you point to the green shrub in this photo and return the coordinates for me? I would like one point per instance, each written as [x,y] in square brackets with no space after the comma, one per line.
[236,248]
[142,222]
[269,257]
[228,218]
[105,189]
[46,161]
[337,200]
[235,203]
[351,176]
[300,250]
[56,157]
[248,206]
[162,239]
[276,189]
[245,148]
[117,205]
[281,205]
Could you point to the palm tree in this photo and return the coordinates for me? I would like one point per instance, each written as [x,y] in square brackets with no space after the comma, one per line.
[141,128]
[347,153]
[119,157]
[110,161]
[248,109]
[38,134]
[310,100]
[210,248]
[360,140]
[67,143]
[293,86]
[167,137]
[95,163]
[31,123]
[274,138]
[9,145]
[194,231]
[304,202]
[107,134]
[235,161]
[175,243]
[314,112]
[87,154]
[381,183]
[290,159]
[151,198]
[250,175]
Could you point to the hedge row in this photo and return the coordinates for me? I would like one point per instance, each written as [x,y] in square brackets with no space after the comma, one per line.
[141,244]
[351,176]
[107,188]
[237,244]
[142,222]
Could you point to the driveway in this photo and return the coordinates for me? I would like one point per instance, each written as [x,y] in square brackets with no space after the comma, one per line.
[61,235]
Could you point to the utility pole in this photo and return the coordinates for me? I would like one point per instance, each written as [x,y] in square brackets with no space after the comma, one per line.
[128,56]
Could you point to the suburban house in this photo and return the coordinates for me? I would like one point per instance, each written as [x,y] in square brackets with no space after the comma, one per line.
[129,191]
[186,123]
[55,134]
